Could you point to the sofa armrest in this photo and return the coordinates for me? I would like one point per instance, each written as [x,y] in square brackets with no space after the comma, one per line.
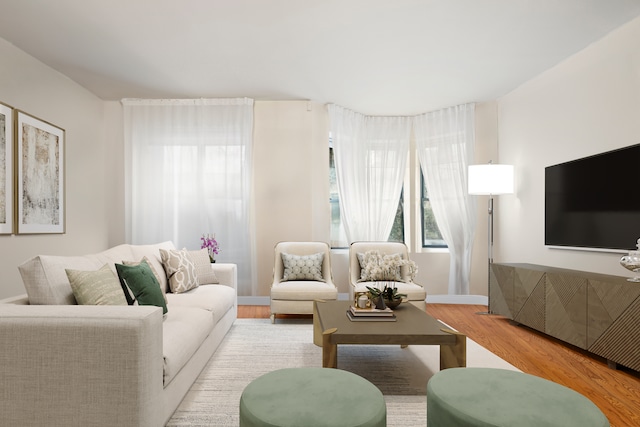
[226,273]
[19,300]
[81,365]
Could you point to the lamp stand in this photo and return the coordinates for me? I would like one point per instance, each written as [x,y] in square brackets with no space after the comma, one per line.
[490,255]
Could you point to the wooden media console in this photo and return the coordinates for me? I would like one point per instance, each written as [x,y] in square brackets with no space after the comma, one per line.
[595,312]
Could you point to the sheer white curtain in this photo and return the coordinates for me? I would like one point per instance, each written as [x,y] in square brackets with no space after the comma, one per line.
[445,142]
[188,169]
[370,158]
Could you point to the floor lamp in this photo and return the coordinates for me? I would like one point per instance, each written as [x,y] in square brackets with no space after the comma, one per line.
[492,180]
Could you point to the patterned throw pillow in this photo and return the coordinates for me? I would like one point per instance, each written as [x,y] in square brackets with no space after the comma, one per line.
[375,267]
[204,272]
[181,272]
[96,287]
[302,267]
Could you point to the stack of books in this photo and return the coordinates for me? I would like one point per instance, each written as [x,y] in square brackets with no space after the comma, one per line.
[356,314]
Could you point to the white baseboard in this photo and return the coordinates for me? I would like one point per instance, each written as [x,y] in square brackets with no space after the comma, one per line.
[458,299]
[435,299]
[254,301]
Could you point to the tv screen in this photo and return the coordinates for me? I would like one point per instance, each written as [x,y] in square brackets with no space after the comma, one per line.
[591,203]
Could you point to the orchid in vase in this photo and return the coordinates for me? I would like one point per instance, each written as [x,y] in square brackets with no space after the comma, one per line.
[210,243]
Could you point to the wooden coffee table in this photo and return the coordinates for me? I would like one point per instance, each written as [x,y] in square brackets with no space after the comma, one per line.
[331,327]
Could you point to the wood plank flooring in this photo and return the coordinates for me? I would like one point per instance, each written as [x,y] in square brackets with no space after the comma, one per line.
[615,392]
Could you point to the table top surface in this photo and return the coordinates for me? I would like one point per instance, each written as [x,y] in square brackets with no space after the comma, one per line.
[413,326]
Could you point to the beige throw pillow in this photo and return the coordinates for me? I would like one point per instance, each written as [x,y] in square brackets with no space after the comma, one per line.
[375,267]
[204,272]
[99,287]
[180,270]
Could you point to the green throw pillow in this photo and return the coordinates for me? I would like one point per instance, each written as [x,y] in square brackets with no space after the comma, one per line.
[96,287]
[142,283]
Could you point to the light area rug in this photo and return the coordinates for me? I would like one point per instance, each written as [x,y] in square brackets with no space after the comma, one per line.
[254,347]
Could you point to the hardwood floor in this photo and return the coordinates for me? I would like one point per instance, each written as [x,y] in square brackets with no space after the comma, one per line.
[615,392]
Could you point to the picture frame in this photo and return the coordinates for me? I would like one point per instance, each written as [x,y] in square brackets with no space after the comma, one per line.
[6,169]
[40,176]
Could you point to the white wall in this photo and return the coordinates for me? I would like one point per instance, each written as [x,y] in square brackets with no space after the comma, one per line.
[290,177]
[34,88]
[588,104]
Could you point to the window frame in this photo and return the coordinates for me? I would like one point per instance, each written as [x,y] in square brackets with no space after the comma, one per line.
[424,198]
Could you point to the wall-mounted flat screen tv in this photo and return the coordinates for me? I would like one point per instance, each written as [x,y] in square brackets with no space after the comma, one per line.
[592,203]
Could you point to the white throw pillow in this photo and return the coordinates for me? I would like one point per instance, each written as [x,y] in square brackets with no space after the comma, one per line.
[375,267]
[204,272]
[302,267]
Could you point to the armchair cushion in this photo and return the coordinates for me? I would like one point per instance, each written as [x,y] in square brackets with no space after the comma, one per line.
[306,290]
[302,267]
[412,290]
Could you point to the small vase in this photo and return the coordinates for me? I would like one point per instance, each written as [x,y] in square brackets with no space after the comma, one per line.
[632,262]
[212,259]
[380,305]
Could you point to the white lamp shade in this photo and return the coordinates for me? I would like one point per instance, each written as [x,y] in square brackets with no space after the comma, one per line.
[490,179]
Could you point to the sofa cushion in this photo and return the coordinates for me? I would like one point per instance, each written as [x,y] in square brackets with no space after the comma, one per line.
[144,286]
[98,287]
[302,267]
[202,263]
[45,278]
[217,299]
[180,270]
[184,329]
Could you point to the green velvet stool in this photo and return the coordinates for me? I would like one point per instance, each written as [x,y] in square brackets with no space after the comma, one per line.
[465,397]
[312,397]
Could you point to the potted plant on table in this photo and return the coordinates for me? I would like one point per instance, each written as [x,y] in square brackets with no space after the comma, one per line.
[388,296]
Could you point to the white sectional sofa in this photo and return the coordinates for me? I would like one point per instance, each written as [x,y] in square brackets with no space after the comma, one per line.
[63,364]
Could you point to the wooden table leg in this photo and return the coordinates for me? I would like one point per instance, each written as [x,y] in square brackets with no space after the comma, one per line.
[329,350]
[317,328]
[455,355]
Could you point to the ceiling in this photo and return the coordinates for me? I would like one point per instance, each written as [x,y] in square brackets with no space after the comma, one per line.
[378,57]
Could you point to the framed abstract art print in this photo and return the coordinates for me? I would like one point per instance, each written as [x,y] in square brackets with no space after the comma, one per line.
[6,169]
[40,194]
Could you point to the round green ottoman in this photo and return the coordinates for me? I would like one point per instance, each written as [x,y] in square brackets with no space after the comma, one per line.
[500,398]
[312,397]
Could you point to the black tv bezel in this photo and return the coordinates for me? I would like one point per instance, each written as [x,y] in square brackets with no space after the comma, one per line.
[593,246]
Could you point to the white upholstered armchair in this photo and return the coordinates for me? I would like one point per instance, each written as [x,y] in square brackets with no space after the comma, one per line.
[301,274]
[416,294]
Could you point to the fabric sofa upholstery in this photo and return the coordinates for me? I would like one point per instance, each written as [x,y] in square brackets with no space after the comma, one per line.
[66,364]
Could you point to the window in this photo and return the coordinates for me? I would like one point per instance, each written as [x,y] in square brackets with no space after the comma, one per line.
[431,237]
[338,235]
